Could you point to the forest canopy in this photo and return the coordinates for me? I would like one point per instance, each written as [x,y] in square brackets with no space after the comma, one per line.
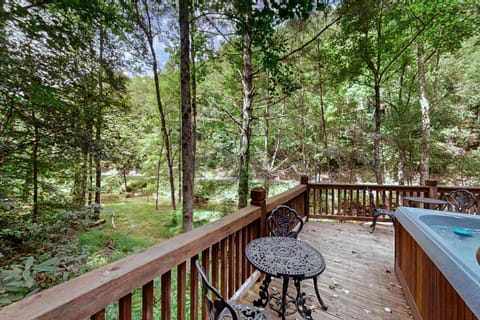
[350,91]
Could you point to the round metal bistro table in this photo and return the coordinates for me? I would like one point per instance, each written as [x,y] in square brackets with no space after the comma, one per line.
[284,258]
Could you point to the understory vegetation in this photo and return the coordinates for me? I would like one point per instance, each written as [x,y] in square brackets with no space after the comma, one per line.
[62,243]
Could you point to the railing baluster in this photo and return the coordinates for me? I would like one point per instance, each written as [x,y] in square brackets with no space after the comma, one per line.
[166,295]
[245,265]
[147,301]
[231,268]
[215,262]
[224,268]
[194,290]
[239,251]
[181,291]
[125,307]
[333,202]
[206,264]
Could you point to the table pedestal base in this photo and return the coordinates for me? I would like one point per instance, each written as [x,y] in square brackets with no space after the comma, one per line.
[282,302]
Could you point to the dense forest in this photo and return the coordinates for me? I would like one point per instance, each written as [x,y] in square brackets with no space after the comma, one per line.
[96,93]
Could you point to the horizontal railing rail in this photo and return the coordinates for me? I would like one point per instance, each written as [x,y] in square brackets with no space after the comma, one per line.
[158,282]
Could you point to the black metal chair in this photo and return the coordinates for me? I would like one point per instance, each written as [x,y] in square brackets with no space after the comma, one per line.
[462,200]
[218,308]
[377,212]
[284,221]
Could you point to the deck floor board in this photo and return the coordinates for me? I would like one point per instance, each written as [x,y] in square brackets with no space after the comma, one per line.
[359,281]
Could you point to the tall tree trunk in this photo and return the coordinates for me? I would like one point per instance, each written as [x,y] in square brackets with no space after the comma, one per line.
[124,176]
[187,140]
[80,180]
[266,179]
[425,106]
[98,133]
[324,126]
[303,128]
[193,85]
[402,154]
[35,167]
[90,177]
[147,29]
[246,128]
[377,134]
[165,135]
[401,166]
[157,187]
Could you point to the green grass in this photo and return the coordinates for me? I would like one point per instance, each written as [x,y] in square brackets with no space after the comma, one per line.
[131,224]
[137,225]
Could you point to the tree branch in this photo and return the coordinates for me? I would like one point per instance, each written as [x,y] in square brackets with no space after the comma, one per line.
[311,40]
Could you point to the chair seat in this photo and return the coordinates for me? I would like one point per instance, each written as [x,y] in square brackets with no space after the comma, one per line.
[218,308]
[385,212]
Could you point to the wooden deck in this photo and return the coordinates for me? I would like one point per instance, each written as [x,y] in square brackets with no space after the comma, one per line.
[359,281]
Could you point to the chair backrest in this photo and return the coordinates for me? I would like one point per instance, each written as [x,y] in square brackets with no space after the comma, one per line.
[284,221]
[214,303]
[462,200]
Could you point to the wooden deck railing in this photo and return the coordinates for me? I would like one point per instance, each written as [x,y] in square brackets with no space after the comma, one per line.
[160,280]
[351,201]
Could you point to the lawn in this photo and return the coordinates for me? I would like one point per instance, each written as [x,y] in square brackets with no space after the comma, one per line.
[132,224]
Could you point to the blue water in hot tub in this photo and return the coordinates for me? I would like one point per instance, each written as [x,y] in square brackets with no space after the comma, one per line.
[464,245]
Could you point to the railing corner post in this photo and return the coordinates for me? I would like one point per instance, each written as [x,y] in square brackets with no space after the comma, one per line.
[304,179]
[259,198]
[432,188]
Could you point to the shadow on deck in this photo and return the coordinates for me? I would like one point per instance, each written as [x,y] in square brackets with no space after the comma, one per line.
[359,281]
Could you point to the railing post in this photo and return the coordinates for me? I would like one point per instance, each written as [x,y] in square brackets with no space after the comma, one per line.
[432,190]
[259,198]
[306,204]
[432,186]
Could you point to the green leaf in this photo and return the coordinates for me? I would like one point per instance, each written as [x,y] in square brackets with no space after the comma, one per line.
[29,282]
[14,286]
[29,262]
[48,266]
[13,274]
[26,275]
[45,268]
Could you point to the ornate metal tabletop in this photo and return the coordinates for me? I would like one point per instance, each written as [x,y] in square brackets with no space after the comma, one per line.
[280,256]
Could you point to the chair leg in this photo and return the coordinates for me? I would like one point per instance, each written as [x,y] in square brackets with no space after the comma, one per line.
[323,304]
[263,294]
[372,226]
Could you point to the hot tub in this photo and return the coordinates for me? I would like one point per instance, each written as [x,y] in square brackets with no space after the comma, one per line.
[437,266]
